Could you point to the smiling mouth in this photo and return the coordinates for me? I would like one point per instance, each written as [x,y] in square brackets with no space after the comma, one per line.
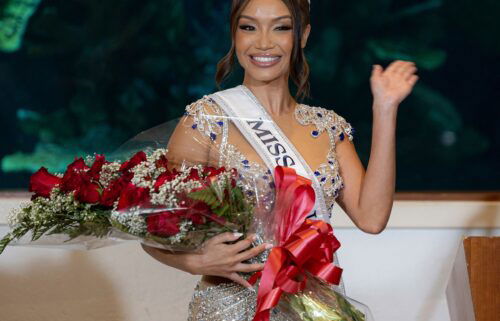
[265,61]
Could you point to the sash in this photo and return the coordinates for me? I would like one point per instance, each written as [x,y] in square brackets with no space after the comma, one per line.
[253,121]
[259,129]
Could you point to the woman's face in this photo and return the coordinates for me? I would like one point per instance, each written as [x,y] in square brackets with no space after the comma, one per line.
[264,40]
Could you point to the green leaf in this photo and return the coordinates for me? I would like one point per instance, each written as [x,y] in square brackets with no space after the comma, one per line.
[5,241]
[207,196]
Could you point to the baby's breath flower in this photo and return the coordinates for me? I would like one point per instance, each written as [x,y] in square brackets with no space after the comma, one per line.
[184,227]
[89,160]
[144,175]
[156,155]
[135,223]
[108,173]
[15,216]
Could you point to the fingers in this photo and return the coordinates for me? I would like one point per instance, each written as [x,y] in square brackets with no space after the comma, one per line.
[404,70]
[395,66]
[224,237]
[243,244]
[243,256]
[248,268]
[401,67]
[239,279]
[412,79]
[377,70]
[409,72]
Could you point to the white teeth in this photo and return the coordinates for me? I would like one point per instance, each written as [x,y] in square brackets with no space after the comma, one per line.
[265,59]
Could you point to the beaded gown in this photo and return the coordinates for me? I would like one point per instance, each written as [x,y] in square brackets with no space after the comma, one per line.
[230,301]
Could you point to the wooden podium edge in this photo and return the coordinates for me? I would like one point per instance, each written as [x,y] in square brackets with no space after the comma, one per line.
[458,291]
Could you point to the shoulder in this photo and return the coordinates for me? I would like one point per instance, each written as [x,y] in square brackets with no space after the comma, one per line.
[203,106]
[206,116]
[325,120]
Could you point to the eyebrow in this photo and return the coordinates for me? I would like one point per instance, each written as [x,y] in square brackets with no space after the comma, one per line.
[275,19]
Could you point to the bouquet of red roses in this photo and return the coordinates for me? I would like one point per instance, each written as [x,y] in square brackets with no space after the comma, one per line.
[142,198]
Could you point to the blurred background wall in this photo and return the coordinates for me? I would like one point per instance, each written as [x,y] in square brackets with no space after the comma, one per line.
[78,77]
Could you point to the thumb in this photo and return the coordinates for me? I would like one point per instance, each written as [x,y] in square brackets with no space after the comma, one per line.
[376,70]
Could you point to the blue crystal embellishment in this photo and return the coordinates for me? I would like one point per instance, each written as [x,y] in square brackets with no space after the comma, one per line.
[194,126]
[314,133]
[213,136]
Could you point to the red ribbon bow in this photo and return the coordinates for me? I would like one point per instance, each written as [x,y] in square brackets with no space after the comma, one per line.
[303,244]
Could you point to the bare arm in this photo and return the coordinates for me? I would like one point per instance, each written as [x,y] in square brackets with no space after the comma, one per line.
[216,257]
[181,261]
[368,195]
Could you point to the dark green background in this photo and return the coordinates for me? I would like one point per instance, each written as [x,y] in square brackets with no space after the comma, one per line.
[90,74]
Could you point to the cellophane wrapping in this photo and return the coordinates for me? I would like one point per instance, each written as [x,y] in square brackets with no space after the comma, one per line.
[159,188]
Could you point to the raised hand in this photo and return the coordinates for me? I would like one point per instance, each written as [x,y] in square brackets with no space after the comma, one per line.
[391,86]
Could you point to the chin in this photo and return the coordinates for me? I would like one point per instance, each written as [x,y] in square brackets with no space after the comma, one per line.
[266,76]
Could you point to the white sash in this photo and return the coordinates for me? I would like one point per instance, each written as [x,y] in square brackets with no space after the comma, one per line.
[253,121]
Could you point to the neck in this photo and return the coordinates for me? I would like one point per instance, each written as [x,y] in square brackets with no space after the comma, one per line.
[274,96]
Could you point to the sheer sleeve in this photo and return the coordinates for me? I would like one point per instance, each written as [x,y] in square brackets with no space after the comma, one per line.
[325,120]
[197,135]
[339,127]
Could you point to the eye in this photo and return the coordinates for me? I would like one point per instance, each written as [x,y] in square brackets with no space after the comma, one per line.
[246,27]
[284,28]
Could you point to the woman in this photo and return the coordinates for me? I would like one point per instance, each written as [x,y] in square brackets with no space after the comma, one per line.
[268,39]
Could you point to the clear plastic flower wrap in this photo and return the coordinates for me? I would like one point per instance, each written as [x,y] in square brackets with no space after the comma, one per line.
[156,189]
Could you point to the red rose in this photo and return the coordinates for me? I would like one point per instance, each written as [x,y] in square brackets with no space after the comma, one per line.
[132,195]
[95,171]
[42,182]
[138,158]
[193,210]
[212,171]
[164,177]
[74,176]
[72,179]
[162,162]
[163,224]
[78,164]
[197,212]
[113,191]
[193,175]
[127,176]
[87,192]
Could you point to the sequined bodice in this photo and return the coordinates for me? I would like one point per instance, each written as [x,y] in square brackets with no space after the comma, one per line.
[210,120]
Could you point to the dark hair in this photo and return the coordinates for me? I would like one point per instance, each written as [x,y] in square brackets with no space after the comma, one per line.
[299,69]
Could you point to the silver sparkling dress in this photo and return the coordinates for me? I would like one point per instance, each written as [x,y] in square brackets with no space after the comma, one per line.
[230,301]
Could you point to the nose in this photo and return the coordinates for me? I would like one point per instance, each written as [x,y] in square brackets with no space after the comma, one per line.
[264,41]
